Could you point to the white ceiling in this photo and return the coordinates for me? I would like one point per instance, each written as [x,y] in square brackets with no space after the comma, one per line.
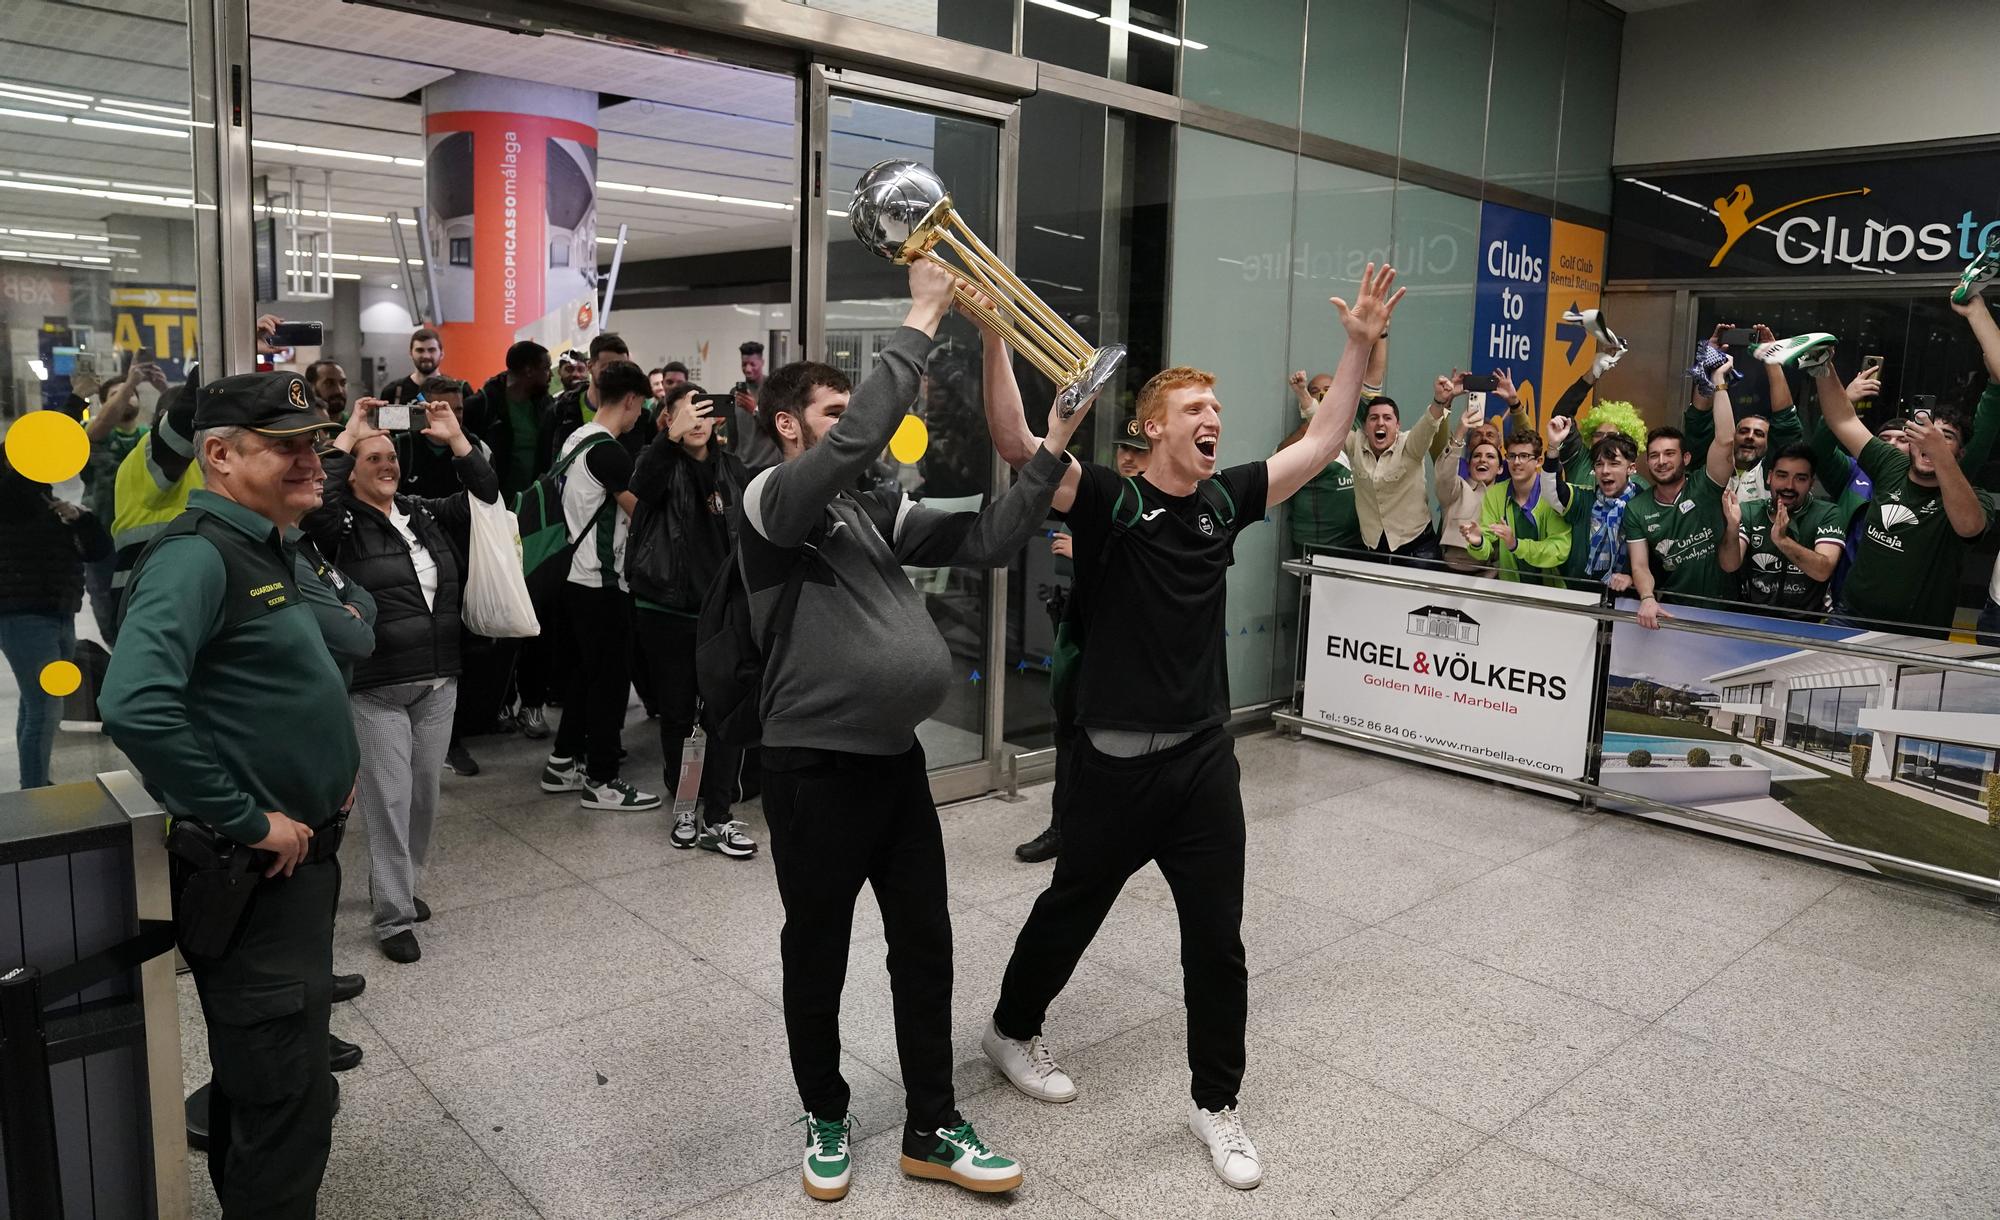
[337,76]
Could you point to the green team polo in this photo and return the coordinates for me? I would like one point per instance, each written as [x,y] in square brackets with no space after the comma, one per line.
[1682,538]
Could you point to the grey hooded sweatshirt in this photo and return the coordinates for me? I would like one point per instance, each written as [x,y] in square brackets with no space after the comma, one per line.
[863,664]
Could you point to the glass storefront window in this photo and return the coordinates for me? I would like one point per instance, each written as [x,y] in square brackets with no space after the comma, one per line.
[1354,71]
[1450,50]
[1524,119]
[985,23]
[1437,254]
[1590,107]
[1126,41]
[1249,56]
[98,286]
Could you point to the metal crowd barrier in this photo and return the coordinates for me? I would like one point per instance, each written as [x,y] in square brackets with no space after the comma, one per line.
[1593,793]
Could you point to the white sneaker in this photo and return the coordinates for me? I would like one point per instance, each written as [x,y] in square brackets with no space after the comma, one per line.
[1229,1145]
[616,794]
[562,775]
[1030,1065]
[829,1166]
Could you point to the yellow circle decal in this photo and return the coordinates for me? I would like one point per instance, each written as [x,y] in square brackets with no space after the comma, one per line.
[47,446]
[61,678]
[911,440]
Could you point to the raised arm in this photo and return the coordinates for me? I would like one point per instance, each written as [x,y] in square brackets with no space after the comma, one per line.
[789,499]
[1780,390]
[931,538]
[1838,412]
[1289,469]
[1722,446]
[1007,419]
[1985,330]
[1961,501]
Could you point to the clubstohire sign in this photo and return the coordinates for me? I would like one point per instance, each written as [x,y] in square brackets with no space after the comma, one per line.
[1925,214]
[1488,681]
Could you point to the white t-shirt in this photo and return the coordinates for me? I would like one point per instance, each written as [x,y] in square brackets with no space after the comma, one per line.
[604,471]
[420,556]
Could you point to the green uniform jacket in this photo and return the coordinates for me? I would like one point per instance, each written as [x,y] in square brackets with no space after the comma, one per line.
[1541,538]
[228,725]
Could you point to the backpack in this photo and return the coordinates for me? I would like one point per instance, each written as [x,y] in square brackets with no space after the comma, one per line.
[546,547]
[1066,659]
[729,661]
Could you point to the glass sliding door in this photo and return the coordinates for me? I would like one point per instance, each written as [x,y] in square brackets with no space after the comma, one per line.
[855,302]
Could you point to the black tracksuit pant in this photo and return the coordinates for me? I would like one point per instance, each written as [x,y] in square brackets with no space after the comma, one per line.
[666,645]
[1183,808]
[600,682]
[838,820]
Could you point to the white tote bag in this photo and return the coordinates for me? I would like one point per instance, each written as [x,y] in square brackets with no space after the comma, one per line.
[495,603]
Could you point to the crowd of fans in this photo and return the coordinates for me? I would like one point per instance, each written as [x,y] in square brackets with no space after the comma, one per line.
[1863,516]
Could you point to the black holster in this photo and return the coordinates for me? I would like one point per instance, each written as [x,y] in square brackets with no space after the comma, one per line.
[214,879]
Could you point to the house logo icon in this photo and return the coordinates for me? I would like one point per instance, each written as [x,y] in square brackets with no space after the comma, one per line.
[1443,623]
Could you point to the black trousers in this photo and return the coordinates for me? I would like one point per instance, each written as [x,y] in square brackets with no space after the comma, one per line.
[599,623]
[1062,790]
[666,644]
[838,820]
[1183,808]
[270,1110]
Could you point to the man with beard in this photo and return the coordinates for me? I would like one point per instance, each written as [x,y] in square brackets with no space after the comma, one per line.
[1674,532]
[757,450]
[328,383]
[1758,437]
[426,354]
[1788,546]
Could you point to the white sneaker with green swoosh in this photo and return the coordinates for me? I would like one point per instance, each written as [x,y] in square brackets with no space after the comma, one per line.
[828,1167]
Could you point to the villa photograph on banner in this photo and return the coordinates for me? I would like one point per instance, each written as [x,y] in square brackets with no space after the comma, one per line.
[1901,758]
[1506,682]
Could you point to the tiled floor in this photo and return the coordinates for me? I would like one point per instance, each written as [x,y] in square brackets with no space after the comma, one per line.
[1465,1002]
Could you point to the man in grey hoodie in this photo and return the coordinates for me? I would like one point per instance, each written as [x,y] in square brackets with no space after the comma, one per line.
[845,790]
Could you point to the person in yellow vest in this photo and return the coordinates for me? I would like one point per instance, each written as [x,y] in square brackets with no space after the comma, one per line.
[153,481]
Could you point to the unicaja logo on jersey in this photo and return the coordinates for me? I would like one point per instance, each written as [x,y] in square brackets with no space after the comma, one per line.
[1206,524]
[1896,516]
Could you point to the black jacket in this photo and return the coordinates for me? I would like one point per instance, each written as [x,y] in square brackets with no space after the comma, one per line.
[41,556]
[487,417]
[689,506]
[413,642]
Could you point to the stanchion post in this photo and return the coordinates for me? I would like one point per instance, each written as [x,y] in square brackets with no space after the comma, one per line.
[27,1114]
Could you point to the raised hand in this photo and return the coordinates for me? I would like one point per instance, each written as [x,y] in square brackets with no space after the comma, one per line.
[1765,334]
[1298,381]
[1927,438]
[1558,430]
[1720,377]
[1863,388]
[930,285]
[687,413]
[1503,387]
[1781,520]
[1368,317]
[1444,389]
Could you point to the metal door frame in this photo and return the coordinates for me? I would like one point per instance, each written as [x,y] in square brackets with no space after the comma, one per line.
[823,81]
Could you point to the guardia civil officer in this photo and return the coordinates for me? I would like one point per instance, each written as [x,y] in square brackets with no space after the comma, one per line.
[224,694]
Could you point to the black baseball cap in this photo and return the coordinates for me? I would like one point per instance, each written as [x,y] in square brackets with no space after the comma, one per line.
[274,404]
[1133,437]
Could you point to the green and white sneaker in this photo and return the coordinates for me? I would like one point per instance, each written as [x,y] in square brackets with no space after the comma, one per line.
[958,1155]
[1805,351]
[561,775]
[1980,270]
[616,794]
[829,1168]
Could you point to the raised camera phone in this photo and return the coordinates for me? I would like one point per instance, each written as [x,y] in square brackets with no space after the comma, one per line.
[1477,383]
[1871,366]
[1738,336]
[718,404]
[1920,406]
[393,417]
[298,334]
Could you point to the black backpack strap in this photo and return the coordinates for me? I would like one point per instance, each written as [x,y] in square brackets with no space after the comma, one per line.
[788,601]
